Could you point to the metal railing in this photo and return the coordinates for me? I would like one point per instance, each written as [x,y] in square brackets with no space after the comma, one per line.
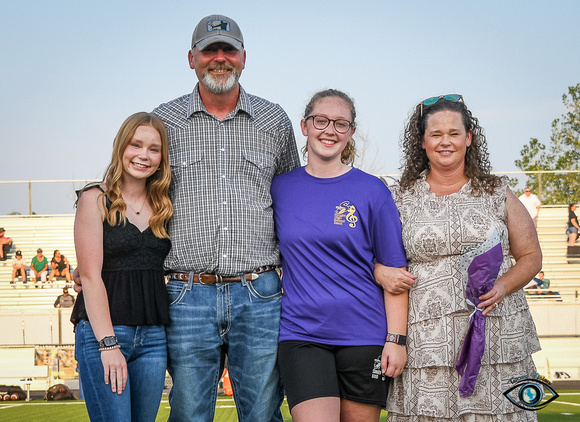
[521,182]
[27,197]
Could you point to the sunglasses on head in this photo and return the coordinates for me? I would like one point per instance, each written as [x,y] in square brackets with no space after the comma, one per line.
[430,101]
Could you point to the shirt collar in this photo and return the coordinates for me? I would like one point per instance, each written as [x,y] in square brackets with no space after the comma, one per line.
[196,104]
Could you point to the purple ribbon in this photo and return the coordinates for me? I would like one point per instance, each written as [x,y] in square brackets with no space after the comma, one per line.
[482,273]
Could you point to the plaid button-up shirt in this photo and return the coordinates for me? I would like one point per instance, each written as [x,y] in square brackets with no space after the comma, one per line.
[221,174]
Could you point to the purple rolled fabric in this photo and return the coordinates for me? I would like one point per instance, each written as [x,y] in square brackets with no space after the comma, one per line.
[482,273]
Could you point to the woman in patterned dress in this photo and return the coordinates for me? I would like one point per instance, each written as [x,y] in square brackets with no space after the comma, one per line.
[450,206]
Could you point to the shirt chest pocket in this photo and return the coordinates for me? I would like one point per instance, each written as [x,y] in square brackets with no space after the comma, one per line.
[182,164]
[256,172]
[259,159]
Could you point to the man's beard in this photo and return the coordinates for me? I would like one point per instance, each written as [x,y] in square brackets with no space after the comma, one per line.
[220,85]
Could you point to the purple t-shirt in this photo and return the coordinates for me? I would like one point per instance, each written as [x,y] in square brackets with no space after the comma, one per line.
[330,231]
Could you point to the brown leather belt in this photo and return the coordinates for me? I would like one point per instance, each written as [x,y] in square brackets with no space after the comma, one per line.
[205,278]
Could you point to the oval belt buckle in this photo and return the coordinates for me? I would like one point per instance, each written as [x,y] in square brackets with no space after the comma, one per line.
[200,279]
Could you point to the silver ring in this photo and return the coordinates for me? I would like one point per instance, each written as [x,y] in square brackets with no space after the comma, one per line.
[495,305]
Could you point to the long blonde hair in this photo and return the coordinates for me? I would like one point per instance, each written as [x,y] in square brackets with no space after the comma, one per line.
[157,183]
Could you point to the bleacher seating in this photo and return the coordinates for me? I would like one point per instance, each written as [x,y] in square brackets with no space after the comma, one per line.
[56,232]
[29,233]
[564,277]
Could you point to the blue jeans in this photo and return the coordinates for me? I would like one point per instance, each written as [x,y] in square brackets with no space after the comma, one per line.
[241,319]
[145,348]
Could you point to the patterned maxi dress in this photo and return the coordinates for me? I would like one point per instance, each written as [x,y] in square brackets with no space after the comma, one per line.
[437,230]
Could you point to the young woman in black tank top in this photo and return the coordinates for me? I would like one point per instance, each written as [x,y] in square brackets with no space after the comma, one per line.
[121,242]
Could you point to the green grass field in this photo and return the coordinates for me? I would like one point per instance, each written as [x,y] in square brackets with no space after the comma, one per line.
[565,408]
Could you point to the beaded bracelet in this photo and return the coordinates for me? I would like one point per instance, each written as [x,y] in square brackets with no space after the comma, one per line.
[116,346]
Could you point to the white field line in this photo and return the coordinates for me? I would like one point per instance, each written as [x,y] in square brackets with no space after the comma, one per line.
[6,405]
[565,402]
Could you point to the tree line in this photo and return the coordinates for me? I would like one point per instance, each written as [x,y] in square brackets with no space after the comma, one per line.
[562,153]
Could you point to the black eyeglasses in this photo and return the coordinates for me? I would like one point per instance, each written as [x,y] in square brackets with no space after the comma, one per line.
[433,100]
[321,123]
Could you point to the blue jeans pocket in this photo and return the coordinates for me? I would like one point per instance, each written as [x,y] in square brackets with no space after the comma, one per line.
[267,286]
[176,291]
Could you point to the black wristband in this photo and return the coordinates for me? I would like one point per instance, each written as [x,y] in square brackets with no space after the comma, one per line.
[396,338]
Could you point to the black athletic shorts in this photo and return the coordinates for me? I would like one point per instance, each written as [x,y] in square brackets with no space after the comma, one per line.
[313,370]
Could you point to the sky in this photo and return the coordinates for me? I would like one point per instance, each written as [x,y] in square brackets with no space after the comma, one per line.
[71,71]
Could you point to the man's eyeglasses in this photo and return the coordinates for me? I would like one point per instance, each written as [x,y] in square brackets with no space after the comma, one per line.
[433,100]
[321,123]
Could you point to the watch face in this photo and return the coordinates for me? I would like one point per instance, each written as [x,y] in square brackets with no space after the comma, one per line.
[109,341]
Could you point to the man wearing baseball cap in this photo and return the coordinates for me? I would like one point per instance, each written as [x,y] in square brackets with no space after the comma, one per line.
[18,268]
[225,145]
[64,300]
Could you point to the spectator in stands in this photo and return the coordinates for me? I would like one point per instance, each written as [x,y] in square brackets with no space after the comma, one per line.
[6,244]
[573,227]
[536,284]
[18,268]
[64,300]
[545,282]
[532,204]
[539,286]
[60,266]
[39,267]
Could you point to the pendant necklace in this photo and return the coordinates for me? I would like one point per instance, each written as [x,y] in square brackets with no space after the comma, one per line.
[141,209]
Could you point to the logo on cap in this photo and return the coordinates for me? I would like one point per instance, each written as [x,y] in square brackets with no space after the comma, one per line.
[217,28]
[218,25]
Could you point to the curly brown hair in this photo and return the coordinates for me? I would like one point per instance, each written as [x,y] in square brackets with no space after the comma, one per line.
[349,152]
[415,160]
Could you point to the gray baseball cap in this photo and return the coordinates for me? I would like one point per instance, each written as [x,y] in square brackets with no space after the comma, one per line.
[217,28]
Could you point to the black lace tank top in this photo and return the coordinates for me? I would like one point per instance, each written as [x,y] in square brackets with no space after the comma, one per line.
[133,275]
